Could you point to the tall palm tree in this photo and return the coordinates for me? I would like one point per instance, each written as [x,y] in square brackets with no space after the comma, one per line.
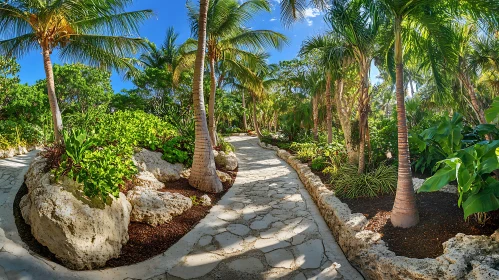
[203,172]
[228,37]
[358,29]
[76,29]
[404,17]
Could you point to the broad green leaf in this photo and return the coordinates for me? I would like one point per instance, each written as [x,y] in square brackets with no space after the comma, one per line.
[484,201]
[439,180]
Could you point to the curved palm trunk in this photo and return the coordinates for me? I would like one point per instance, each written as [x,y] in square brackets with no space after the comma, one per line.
[212,126]
[329,113]
[245,122]
[404,212]
[465,79]
[54,106]
[363,114]
[255,121]
[315,113]
[203,173]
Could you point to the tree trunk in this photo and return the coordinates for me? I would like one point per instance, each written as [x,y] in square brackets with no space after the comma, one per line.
[54,106]
[255,121]
[203,173]
[329,113]
[465,79]
[363,110]
[212,127]
[404,212]
[345,121]
[315,113]
[245,123]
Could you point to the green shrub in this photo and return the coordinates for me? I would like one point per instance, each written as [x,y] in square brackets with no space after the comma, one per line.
[179,149]
[225,146]
[319,163]
[347,182]
[305,151]
[101,170]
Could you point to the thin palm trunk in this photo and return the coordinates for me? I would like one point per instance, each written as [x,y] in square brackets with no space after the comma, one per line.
[345,121]
[315,113]
[404,212]
[203,173]
[245,122]
[212,127]
[255,121]
[363,114]
[329,113]
[465,79]
[54,106]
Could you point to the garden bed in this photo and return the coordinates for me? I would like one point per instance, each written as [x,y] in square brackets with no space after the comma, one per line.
[464,256]
[440,220]
[145,241]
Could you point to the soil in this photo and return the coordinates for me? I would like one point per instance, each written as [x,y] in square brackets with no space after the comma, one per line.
[145,241]
[440,220]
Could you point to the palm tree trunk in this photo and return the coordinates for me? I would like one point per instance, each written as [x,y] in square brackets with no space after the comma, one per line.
[345,121]
[465,79]
[255,121]
[363,114]
[245,122]
[212,127]
[315,113]
[329,113]
[54,106]
[203,173]
[404,212]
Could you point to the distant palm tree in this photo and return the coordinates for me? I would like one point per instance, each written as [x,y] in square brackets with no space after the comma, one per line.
[203,172]
[230,41]
[76,28]
[359,30]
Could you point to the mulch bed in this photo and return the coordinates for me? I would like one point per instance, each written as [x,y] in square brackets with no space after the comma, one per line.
[440,220]
[145,241]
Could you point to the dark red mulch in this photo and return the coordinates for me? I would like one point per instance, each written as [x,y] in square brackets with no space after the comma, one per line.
[145,241]
[440,220]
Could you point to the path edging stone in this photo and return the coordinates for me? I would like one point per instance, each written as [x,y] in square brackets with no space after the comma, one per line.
[366,250]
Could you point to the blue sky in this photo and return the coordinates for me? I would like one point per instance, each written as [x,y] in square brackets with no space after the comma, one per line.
[174,13]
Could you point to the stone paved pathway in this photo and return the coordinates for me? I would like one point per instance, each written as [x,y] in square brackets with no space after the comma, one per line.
[269,228]
[265,227]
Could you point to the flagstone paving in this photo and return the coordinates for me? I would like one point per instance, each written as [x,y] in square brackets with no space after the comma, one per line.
[265,227]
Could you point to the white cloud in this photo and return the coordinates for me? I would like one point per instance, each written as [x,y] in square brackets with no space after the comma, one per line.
[309,14]
[273,19]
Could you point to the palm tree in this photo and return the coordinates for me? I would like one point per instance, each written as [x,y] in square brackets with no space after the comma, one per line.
[358,29]
[429,17]
[203,173]
[227,37]
[75,28]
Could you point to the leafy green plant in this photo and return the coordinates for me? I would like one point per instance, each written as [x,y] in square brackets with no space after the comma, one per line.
[225,146]
[438,142]
[319,163]
[195,200]
[179,150]
[347,182]
[305,151]
[471,167]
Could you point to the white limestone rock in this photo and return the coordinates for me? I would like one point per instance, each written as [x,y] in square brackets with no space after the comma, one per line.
[205,200]
[147,180]
[154,207]
[152,162]
[224,177]
[83,233]
[226,160]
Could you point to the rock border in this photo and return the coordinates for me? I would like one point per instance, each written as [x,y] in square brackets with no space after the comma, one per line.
[465,256]
[21,150]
